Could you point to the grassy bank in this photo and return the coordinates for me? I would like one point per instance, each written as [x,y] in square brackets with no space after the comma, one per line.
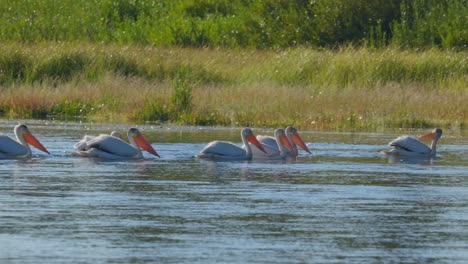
[316,89]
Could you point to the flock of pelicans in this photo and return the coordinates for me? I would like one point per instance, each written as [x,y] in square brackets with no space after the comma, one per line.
[282,145]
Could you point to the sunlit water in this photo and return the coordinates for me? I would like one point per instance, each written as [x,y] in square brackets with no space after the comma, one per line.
[345,203]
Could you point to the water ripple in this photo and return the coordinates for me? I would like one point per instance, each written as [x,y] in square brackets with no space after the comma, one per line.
[346,202]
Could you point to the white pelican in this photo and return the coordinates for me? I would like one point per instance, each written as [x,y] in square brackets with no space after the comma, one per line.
[82,145]
[10,148]
[277,150]
[228,151]
[294,139]
[111,147]
[410,146]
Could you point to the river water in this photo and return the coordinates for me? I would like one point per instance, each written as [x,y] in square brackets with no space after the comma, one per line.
[345,203]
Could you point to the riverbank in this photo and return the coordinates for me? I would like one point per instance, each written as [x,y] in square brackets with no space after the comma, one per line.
[349,88]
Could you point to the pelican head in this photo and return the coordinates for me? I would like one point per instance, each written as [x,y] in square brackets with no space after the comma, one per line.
[281,135]
[292,131]
[434,135]
[248,134]
[22,133]
[140,140]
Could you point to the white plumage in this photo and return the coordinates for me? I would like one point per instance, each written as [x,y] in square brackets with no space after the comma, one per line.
[11,149]
[112,147]
[275,146]
[411,146]
[294,138]
[83,143]
[228,151]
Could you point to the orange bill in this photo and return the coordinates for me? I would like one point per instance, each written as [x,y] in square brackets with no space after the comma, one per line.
[298,141]
[34,142]
[144,144]
[284,140]
[428,136]
[253,140]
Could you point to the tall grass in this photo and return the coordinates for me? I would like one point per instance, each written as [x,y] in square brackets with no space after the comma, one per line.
[357,67]
[345,88]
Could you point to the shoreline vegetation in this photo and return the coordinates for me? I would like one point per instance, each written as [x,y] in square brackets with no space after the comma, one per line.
[322,64]
[347,88]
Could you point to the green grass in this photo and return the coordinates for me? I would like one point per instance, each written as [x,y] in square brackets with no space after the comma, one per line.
[239,23]
[348,88]
[318,64]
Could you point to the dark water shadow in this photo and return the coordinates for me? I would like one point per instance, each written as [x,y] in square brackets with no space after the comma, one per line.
[397,159]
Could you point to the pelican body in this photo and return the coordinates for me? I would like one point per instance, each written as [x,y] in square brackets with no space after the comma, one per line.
[410,146]
[270,143]
[275,146]
[83,144]
[112,147]
[19,148]
[222,150]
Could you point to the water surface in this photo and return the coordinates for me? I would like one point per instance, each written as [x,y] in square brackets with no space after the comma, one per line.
[344,203]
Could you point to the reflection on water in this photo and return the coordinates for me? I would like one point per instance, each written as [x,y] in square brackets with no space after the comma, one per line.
[346,202]
[396,159]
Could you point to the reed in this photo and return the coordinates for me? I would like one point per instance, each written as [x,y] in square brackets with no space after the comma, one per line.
[347,88]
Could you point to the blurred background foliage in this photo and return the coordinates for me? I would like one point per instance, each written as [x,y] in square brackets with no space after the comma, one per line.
[240,23]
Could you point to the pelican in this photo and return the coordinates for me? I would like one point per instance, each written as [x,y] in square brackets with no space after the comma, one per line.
[228,151]
[277,150]
[19,148]
[111,147]
[82,145]
[410,146]
[294,139]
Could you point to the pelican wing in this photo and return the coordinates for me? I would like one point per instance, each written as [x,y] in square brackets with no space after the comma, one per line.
[80,146]
[112,145]
[271,151]
[410,144]
[11,147]
[268,142]
[83,144]
[223,148]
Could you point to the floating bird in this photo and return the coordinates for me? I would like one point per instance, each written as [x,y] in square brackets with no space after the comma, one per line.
[111,147]
[410,146]
[296,140]
[293,137]
[82,145]
[19,148]
[274,149]
[228,151]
